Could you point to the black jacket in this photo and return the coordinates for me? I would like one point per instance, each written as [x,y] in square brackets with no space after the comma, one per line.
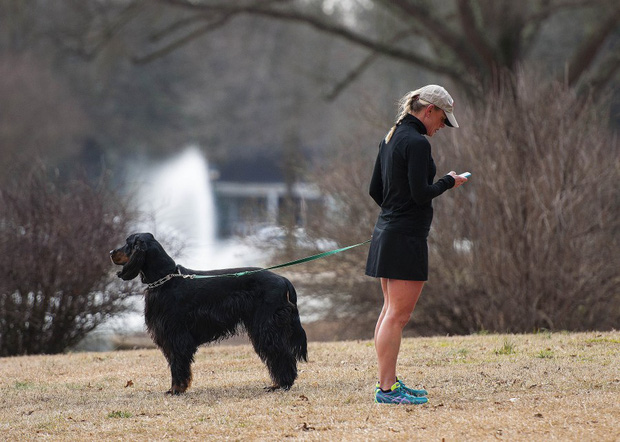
[402,180]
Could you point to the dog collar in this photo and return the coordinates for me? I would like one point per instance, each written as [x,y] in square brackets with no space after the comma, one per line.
[167,278]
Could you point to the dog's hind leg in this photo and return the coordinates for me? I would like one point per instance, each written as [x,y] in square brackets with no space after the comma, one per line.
[271,340]
[299,341]
[180,355]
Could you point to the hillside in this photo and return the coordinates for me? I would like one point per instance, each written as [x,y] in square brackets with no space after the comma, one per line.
[545,386]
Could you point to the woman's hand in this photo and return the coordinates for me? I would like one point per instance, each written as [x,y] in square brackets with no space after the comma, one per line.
[458,179]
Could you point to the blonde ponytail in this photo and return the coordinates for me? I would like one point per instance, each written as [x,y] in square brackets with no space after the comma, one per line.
[388,137]
[405,106]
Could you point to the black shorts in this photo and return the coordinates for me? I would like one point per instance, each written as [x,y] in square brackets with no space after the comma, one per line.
[397,256]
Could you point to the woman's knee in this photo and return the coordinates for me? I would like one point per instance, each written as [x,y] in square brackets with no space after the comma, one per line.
[398,317]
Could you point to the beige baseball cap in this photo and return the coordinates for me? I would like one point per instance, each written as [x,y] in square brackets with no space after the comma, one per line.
[437,95]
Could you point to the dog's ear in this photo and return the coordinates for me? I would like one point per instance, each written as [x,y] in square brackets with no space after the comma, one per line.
[139,245]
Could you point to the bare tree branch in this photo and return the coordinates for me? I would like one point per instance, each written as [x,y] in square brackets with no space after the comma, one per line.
[608,68]
[352,76]
[474,35]
[585,55]
[324,25]
[459,36]
[90,49]
[358,70]
[178,25]
[167,49]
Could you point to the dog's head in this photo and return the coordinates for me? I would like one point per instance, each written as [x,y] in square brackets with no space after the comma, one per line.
[132,255]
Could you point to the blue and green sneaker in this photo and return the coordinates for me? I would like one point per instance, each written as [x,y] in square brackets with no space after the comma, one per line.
[397,395]
[409,391]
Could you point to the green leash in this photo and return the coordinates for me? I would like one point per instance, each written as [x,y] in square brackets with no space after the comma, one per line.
[249,272]
[287,264]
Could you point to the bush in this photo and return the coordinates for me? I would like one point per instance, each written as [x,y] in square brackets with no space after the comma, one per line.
[54,242]
[531,241]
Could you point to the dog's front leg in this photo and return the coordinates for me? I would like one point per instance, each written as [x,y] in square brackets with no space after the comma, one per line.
[180,359]
[181,377]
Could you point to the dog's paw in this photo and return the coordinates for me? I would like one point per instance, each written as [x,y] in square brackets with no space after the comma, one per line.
[271,388]
[178,388]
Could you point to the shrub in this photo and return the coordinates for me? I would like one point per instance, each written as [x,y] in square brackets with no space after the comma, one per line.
[54,243]
[531,241]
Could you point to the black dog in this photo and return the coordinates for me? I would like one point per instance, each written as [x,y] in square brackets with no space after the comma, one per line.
[182,313]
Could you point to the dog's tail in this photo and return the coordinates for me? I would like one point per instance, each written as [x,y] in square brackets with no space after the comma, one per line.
[299,341]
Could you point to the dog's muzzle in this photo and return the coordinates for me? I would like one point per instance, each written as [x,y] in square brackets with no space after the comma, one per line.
[118,257]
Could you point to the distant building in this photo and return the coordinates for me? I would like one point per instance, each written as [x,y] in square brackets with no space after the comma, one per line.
[251,193]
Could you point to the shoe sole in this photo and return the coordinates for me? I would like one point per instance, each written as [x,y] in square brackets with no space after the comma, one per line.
[419,401]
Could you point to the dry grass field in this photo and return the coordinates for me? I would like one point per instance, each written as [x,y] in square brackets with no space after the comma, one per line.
[546,386]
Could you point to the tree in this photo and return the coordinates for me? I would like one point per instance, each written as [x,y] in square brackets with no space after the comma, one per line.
[472,42]
[40,117]
[54,241]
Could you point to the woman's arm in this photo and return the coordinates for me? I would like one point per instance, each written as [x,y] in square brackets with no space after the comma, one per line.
[419,157]
[376,182]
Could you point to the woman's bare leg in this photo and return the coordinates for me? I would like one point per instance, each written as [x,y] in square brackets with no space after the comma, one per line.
[384,309]
[400,302]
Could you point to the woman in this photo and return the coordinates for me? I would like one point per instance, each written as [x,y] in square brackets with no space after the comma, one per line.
[402,185]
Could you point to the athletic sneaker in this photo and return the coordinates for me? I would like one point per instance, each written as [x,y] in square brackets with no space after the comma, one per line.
[397,395]
[409,391]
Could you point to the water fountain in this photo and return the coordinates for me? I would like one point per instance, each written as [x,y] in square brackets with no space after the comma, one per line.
[177,199]
[178,202]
